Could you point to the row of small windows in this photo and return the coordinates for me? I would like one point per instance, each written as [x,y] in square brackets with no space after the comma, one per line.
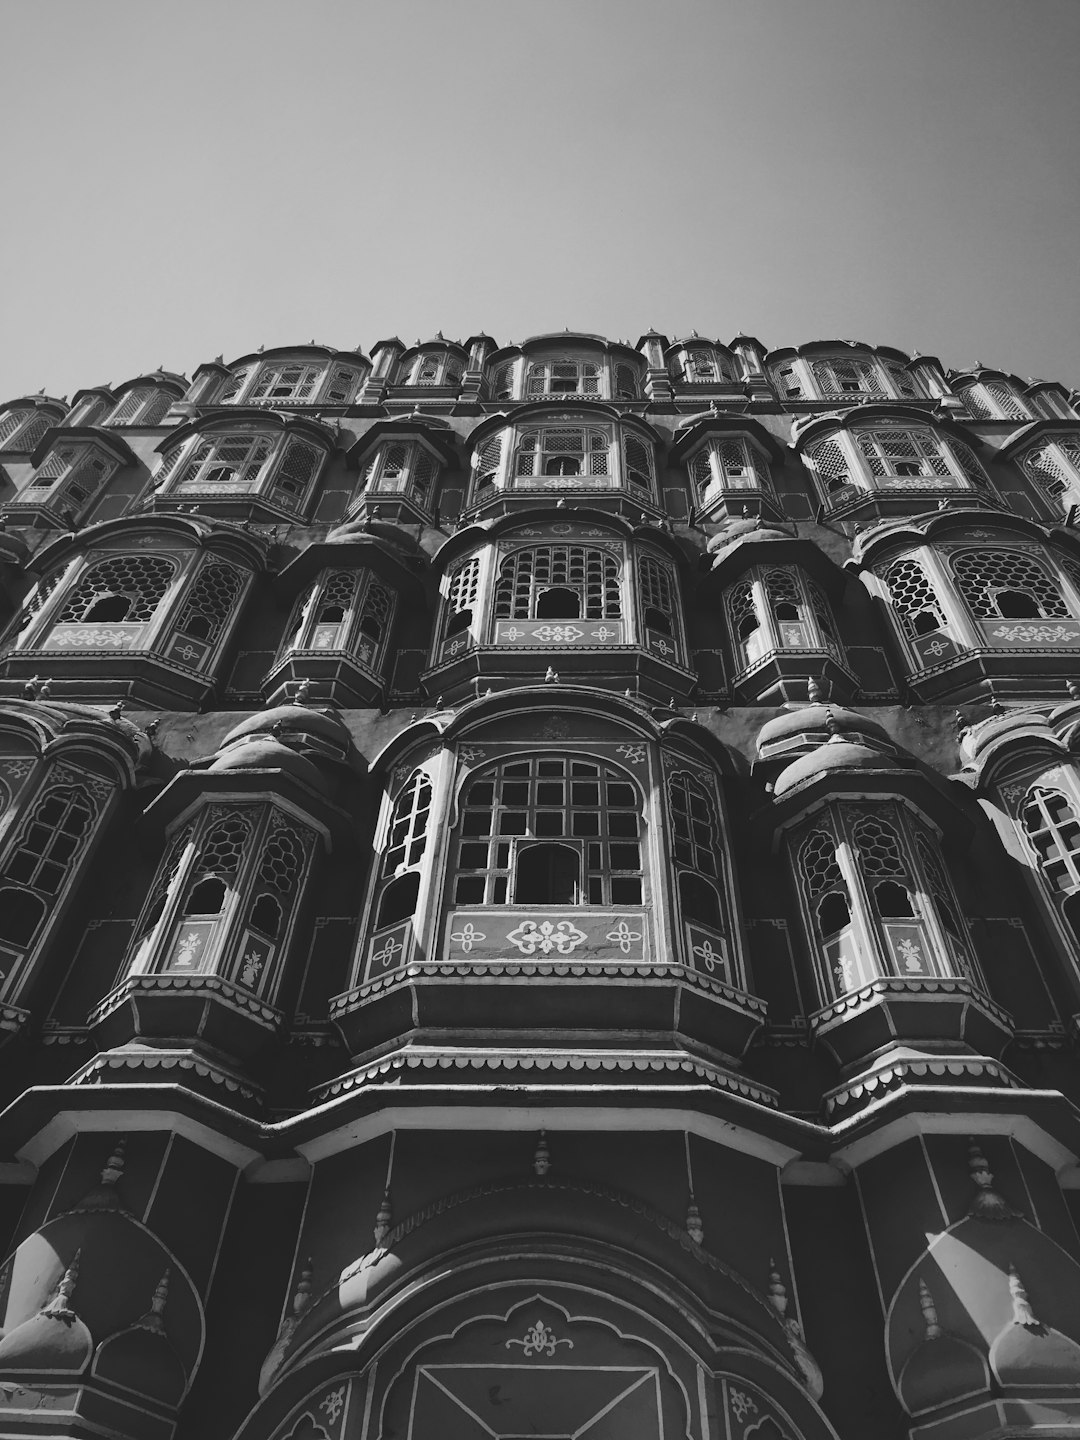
[278,471]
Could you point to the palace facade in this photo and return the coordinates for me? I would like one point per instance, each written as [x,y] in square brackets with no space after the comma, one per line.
[540,896]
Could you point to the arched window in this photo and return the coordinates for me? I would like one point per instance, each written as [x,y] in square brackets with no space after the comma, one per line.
[145,405]
[502,382]
[282,864]
[69,477]
[695,840]
[703,365]
[824,884]
[233,385]
[1054,465]
[285,381]
[1052,828]
[126,588]
[52,837]
[558,581]
[914,602]
[406,839]
[779,609]
[221,466]
[402,467]
[993,400]
[657,594]
[210,602]
[24,427]
[837,378]
[1007,584]
[906,384]
[831,465]
[639,463]
[461,598]
[626,383]
[899,455]
[559,457]
[430,368]
[555,804]
[563,377]
[225,464]
[486,461]
[729,464]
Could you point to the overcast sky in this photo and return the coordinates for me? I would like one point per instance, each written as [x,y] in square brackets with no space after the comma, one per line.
[188,179]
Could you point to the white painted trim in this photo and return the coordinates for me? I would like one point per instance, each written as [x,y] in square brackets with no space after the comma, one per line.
[1010,1122]
[67,1123]
[549,1118]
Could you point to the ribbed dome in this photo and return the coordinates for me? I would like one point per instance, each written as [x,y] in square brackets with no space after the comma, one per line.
[265,752]
[819,720]
[292,719]
[838,754]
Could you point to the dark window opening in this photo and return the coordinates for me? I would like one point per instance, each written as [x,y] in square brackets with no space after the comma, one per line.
[908,467]
[657,620]
[699,899]
[20,915]
[786,610]
[266,915]
[331,615]
[399,900]
[459,622]
[833,914]
[558,604]
[371,627]
[207,897]
[220,474]
[548,875]
[1017,605]
[564,387]
[893,901]
[925,622]
[108,608]
[562,465]
[198,627]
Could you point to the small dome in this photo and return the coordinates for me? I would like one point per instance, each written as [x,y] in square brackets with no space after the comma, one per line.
[940,1370]
[784,730]
[264,752]
[47,1342]
[292,719]
[142,1359]
[1033,1354]
[836,755]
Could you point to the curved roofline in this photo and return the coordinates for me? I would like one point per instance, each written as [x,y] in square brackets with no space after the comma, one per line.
[38,402]
[695,428]
[225,415]
[483,532]
[537,409]
[53,726]
[422,345]
[431,429]
[919,528]
[365,548]
[155,377]
[860,415]
[93,390]
[833,347]
[1034,430]
[454,723]
[110,439]
[984,372]
[745,550]
[283,351]
[206,534]
[563,337]
[683,341]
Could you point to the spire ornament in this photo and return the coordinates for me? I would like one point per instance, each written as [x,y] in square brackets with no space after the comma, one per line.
[154,1319]
[987,1204]
[383,1220]
[541,1156]
[694,1227]
[1022,1311]
[929,1311]
[59,1307]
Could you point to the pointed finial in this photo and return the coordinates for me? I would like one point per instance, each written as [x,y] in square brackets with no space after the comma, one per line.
[114,1166]
[384,1219]
[59,1307]
[694,1228]
[302,1294]
[813,691]
[30,688]
[988,1204]
[45,690]
[1022,1311]
[303,690]
[551,677]
[154,1317]
[671,703]
[117,711]
[1073,689]
[560,504]
[541,1156]
[626,693]
[832,725]
[929,1311]
[778,1296]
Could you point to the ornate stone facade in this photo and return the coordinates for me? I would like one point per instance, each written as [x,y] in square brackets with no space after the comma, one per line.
[540,895]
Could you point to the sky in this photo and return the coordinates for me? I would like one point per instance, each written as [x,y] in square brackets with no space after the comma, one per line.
[189,180]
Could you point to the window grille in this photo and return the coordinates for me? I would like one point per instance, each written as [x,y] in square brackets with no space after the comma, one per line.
[1072,570]
[831,464]
[1055,466]
[970,464]
[560,458]
[342,386]
[903,455]
[985,401]
[282,861]
[656,591]
[233,385]
[563,377]
[294,474]
[486,461]
[227,464]
[789,382]
[694,832]
[913,599]
[589,575]
[879,849]
[88,475]
[164,880]
[35,602]
[28,426]
[837,378]
[10,424]
[904,381]
[818,867]
[56,830]
[285,382]
[1052,827]
[219,855]
[703,366]
[626,387]
[402,466]
[823,614]
[461,596]
[438,369]
[57,464]
[744,621]
[1007,584]
[502,382]
[375,615]
[639,469]
[407,837]
[146,405]
[123,588]
[336,598]
[590,809]
[942,892]
[211,602]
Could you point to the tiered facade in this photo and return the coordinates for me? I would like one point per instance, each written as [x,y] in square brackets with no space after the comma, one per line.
[540,895]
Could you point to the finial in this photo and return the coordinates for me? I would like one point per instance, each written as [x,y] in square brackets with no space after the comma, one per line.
[1022,1311]
[117,711]
[626,693]
[988,1204]
[1073,689]
[778,1296]
[929,1311]
[150,730]
[813,691]
[302,1294]
[153,1319]
[832,725]
[45,690]
[303,690]
[541,1156]
[551,677]
[30,688]
[671,703]
[114,1166]
[694,1228]
[440,336]
[59,1307]
[560,504]
[438,702]
[383,1219]
[943,504]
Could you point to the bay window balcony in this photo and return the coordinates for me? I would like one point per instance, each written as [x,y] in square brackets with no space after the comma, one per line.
[557,368]
[145,401]
[992,395]
[782,632]
[1052,463]
[74,466]
[436,365]
[826,371]
[25,423]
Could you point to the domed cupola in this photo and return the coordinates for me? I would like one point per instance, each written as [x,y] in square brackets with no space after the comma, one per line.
[942,1368]
[142,1358]
[53,1339]
[210,960]
[852,746]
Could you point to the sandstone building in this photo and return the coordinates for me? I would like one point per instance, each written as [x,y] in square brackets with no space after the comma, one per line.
[540,896]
